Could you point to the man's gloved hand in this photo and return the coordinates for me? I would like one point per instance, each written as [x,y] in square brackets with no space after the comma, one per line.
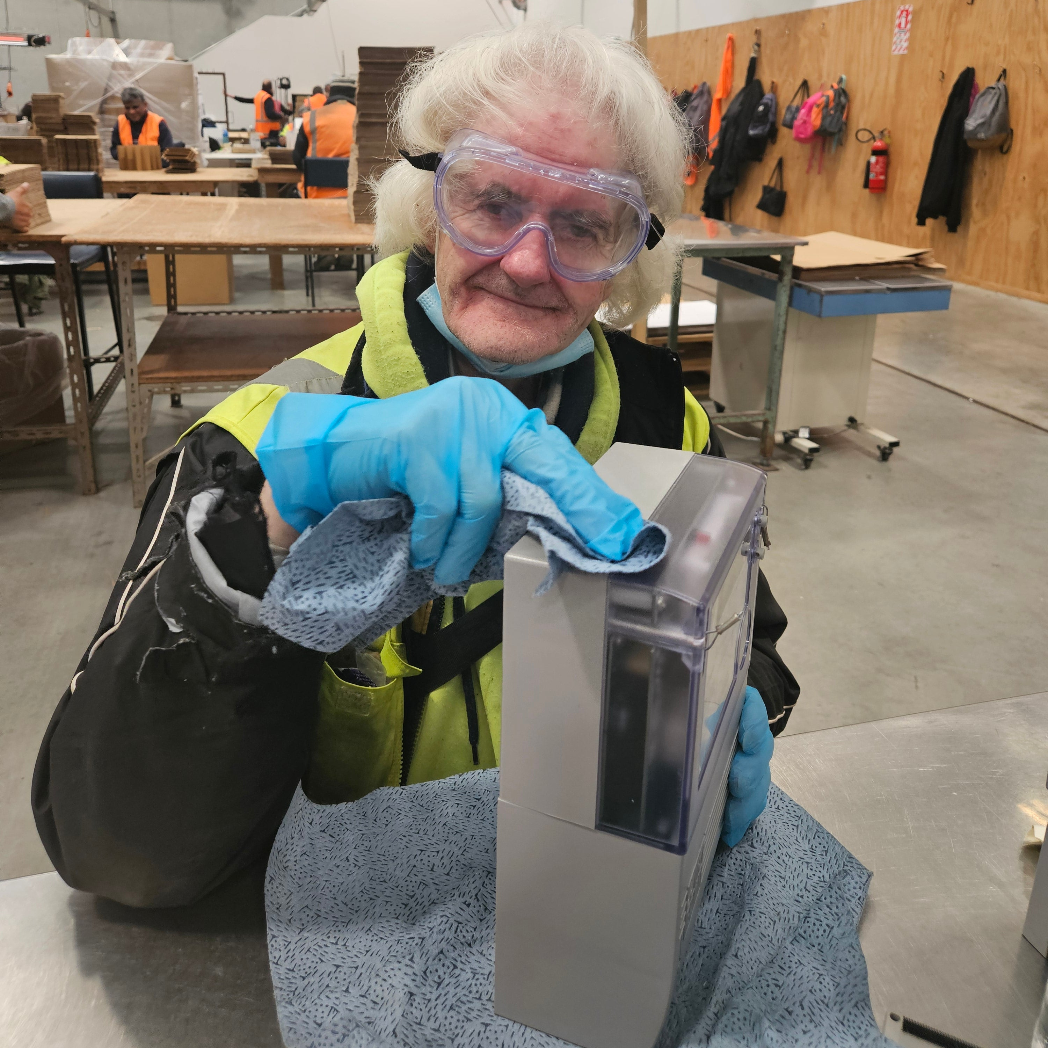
[443,447]
[750,775]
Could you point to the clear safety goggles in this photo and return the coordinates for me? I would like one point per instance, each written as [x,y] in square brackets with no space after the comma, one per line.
[489,195]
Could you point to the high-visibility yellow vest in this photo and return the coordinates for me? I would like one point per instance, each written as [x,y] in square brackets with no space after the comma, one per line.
[358,745]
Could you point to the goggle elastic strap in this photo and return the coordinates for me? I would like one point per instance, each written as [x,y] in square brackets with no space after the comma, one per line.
[431,161]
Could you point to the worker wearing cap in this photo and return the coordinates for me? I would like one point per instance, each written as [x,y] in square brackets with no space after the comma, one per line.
[538,163]
[327,131]
[138,125]
[269,113]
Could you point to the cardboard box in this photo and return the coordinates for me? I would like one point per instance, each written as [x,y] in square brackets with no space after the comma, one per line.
[200,280]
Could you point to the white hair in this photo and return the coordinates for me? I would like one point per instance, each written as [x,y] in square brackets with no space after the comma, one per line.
[609,80]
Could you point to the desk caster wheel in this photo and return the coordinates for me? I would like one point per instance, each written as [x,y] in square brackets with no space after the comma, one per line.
[886,452]
[808,460]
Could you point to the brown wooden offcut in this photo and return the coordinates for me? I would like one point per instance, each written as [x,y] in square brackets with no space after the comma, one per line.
[24,149]
[232,347]
[138,158]
[1003,241]
[13,175]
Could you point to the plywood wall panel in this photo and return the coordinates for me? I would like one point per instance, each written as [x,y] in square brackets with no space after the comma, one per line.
[1003,240]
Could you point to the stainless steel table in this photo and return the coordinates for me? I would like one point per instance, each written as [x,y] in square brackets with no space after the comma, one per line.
[936,805]
[81,972]
[710,238]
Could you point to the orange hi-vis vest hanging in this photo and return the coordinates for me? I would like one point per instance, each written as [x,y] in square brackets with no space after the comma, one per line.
[262,124]
[329,132]
[317,101]
[148,136]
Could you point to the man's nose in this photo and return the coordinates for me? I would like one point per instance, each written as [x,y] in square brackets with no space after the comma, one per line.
[527,263]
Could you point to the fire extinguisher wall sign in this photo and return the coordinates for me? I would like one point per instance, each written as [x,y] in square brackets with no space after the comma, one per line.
[875,177]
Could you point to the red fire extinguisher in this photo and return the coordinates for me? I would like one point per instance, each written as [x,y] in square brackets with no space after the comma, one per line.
[875,178]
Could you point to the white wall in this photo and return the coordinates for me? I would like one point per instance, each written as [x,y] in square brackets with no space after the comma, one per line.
[189,24]
[311,49]
[615,17]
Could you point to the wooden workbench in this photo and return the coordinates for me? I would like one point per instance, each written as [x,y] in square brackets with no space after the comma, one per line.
[215,225]
[67,218]
[204,180]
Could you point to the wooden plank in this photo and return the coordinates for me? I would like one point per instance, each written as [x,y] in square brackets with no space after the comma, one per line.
[223,223]
[233,347]
[203,180]
[1003,241]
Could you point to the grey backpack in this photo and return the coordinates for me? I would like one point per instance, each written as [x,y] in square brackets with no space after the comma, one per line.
[988,125]
[697,115]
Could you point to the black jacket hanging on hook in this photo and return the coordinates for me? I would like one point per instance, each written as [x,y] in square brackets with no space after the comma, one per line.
[948,166]
[735,147]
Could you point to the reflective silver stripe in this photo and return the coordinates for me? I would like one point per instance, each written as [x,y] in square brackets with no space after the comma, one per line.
[301,375]
[312,132]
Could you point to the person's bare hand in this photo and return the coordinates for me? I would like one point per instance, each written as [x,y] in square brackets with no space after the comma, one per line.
[279,531]
[23,216]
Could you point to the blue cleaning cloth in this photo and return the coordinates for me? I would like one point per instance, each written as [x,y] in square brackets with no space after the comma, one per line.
[349,578]
[382,930]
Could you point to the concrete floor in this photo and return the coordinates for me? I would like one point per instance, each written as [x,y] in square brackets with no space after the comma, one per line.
[911,585]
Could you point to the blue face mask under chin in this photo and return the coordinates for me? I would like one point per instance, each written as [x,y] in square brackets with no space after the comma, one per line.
[429,300]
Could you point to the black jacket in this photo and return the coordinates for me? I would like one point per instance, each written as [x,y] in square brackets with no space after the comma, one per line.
[171,759]
[948,167]
[735,147]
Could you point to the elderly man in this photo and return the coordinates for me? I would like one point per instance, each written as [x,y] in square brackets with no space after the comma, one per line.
[536,162]
[138,125]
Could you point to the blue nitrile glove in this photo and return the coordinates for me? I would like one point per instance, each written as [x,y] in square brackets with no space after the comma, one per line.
[443,447]
[750,777]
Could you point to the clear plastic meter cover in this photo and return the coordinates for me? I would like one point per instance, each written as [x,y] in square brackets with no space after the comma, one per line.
[677,648]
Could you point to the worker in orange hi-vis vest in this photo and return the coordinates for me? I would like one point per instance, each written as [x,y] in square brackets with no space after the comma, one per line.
[269,113]
[317,99]
[327,131]
[138,126]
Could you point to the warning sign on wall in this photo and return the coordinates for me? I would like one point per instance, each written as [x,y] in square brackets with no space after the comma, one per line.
[901,34]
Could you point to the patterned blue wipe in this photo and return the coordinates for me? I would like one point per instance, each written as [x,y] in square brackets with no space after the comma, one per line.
[349,579]
[382,930]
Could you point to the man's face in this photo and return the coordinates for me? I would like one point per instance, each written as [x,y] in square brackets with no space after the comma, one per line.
[516,308]
[136,110]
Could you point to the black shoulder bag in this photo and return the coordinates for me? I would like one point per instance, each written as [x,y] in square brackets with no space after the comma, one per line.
[773,197]
[789,114]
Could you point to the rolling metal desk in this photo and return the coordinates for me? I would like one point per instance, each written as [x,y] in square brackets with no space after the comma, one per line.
[935,804]
[709,238]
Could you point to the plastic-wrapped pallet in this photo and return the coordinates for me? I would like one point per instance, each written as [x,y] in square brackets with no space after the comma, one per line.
[92,73]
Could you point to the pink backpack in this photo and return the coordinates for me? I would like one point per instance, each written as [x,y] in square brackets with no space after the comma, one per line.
[805,127]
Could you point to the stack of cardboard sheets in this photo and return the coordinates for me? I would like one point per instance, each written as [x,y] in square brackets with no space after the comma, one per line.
[139,158]
[13,175]
[181,159]
[76,153]
[80,123]
[839,256]
[48,119]
[379,82]
[25,149]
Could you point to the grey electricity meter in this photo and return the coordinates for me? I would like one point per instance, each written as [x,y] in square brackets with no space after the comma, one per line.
[620,705]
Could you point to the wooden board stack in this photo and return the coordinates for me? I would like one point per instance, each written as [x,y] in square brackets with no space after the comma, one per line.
[138,158]
[181,160]
[27,149]
[77,153]
[280,155]
[378,84]
[13,175]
